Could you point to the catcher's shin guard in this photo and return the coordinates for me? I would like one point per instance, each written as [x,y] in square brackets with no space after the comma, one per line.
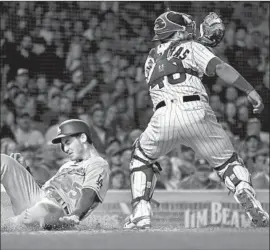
[237,179]
[143,181]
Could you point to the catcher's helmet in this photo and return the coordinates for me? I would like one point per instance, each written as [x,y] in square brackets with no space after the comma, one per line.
[72,127]
[169,22]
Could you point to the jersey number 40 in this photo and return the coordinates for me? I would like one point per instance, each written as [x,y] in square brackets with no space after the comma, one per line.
[169,68]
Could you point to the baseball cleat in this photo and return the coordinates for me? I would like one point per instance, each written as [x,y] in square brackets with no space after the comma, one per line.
[140,223]
[253,208]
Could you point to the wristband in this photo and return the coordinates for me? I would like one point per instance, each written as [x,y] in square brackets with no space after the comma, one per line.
[243,84]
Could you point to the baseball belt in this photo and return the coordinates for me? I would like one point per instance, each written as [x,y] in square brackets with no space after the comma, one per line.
[186,98]
[54,196]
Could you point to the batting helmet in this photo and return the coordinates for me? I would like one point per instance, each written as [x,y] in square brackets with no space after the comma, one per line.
[72,127]
[169,22]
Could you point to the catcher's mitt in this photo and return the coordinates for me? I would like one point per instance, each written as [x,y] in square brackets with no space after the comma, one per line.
[212,30]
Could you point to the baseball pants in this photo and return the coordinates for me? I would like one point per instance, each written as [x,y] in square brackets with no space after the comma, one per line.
[193,124]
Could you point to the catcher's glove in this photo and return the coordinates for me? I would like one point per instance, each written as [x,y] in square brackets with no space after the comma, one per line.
[212,30]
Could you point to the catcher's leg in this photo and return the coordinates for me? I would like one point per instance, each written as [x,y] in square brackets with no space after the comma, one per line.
[214,145]
[143,181]
[19,184]
[237,179]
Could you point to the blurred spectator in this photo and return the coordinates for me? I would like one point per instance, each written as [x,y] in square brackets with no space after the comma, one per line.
[66,105]
[24,134]
[46,30]
[110,119]
[254,128]
[251,70]
[118,179]
[28,153]
[231,94]
[125,159]
[264,91]
[120,88]
[132,136]
[8,146]
[260,178]
[200,179]
[251,147]
[70,91]
[41,173]
[217,106]
[86,92]
[241,122]
[144,110]
[24,57]
[7,122]
[89,33]
[51,154]
[74,55]
[237,53]
[230,115]
[20,101]
[185,161]
[165,177]
[115,159]
[21,80]
[113,145]
[42,88]
[100,135]
[124,117]
[48,114]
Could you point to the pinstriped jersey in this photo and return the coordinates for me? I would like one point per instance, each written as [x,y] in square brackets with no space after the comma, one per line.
[175,69]
[72,177]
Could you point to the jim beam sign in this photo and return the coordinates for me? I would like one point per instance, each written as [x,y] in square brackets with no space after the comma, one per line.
[215,215]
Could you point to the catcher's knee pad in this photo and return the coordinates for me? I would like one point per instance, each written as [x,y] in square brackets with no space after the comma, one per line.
[142,175]
[236,176]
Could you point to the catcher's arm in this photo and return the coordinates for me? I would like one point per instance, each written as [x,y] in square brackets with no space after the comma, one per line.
[212,32]
[231,76]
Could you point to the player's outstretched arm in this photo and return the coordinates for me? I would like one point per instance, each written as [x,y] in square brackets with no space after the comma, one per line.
[85,203]
[231,76]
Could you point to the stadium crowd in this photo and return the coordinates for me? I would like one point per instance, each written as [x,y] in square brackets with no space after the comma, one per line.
[62,60]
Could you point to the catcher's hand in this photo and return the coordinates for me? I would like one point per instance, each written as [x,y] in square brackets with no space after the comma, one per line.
[255,99]
[70,220]
[212,30]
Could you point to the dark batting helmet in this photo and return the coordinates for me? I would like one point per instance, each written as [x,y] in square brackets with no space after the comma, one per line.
[72,127]
[170,22]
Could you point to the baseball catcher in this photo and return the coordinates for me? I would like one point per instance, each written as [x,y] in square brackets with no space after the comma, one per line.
[182,115]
